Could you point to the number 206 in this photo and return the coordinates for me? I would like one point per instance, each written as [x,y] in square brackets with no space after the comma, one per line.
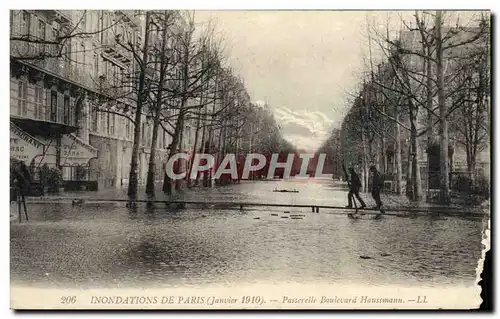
[68,299]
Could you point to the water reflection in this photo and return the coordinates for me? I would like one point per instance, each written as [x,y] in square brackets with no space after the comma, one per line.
[110,245]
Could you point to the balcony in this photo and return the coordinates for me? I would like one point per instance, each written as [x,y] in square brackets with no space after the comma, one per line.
[132,17]
[59,16]
[107,48]
[39,56]
[37,118]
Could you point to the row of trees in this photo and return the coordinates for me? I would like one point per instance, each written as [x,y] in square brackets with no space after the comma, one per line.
[182,78]
[431,87]
[177,77]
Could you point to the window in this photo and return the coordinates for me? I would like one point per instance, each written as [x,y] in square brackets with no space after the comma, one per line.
[41,35]
[22,95]
[164,139]
[123,82]
[94,118]
[83,52]
[25,22]
[53,106]
[116,72]
[127,128]
[108,123]
[143,133]
[83,19]
[103,128]
[75,54]
[111,124]
[41,30]
[55,35]
[12,23]
[66,111]
[65,62]
[96,62]
[39,106]
[120,126]
[150,135]
[104,67]
[88,21]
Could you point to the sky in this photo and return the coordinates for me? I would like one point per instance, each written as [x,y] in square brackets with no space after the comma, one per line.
[304,64]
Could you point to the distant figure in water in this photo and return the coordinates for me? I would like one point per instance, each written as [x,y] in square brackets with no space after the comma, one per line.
[354,186]
[377,185]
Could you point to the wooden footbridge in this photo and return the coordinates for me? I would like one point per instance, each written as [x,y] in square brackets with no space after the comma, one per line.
[182,204]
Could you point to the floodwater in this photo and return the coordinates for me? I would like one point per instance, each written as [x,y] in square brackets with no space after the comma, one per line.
[108,245]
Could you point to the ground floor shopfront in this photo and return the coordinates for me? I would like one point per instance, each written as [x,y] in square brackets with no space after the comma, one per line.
[103,162]
[112,166]
[45,147]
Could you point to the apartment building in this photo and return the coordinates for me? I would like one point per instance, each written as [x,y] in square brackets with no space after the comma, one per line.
[429,154]
[61,111]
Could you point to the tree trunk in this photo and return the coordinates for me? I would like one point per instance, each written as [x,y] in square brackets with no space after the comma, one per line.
[179,127]
[430,131]
[443,122]
[397,157]
[133,180]
[383,159]
[203,132]
[167,181]
[178,182]
[207,177]
[364,162]
[195,150]
[471,168]
[382,143]
[415,172]
[408,187]
[218,155]
[150,181]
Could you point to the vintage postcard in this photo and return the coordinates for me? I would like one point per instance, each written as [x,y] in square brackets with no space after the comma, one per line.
[176,159]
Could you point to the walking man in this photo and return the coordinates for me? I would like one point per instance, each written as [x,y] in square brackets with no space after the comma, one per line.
[20,180]
[377,185]
[354,186]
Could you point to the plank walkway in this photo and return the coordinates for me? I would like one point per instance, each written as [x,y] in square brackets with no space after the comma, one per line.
[314,208]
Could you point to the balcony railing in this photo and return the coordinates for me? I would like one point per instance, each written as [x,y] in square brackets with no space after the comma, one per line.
[60,16]
[38,55]
[35,111]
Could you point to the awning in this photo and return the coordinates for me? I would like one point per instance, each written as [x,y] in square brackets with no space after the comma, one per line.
[75,151]
[37,127]
[43,149]
[23,146]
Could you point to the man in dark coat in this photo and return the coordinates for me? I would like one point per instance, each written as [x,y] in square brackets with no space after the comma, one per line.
[377,185]
[354,187]
[20,180]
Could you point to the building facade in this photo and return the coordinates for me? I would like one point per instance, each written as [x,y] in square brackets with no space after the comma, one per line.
[60,113]
[429,143]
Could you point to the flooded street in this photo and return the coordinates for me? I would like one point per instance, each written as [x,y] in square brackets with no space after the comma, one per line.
[108,245]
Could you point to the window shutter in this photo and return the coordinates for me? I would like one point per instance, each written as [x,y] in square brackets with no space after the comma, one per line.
[41,101]
[33,31]
[72,111]
[60,107]
[47,105]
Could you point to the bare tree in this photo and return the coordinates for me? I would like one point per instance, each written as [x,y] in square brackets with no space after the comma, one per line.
[469,122]
[162,50]
[413,69]
[198,61]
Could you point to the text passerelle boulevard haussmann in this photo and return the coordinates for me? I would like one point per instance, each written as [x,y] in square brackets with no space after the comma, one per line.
[339,300]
